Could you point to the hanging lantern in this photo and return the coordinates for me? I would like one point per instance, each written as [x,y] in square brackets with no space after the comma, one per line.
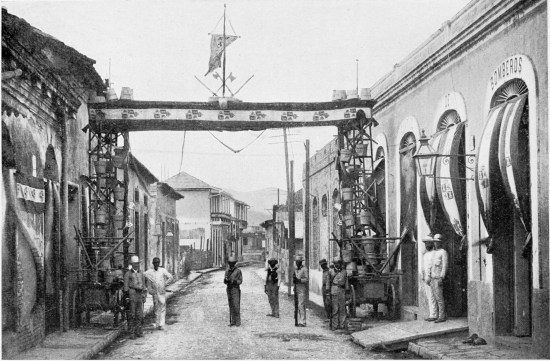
[425,157]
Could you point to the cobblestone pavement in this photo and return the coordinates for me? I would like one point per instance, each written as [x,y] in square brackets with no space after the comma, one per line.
[197,328]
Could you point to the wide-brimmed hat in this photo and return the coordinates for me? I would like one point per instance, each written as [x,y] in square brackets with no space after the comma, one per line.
[232,259]
[323,261]
[134,259]
[272,260]
[438,238]
[336,260]
[427,239]
[298,257]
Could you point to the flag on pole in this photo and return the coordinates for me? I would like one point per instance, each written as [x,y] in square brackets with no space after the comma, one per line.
[216,75]
[216,50]
[231,77]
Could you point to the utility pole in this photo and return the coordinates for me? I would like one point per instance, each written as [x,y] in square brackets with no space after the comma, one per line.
[291,233]
[306,215]
[289,289]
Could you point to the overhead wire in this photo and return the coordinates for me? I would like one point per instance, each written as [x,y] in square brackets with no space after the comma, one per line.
[182,147]
[237,150]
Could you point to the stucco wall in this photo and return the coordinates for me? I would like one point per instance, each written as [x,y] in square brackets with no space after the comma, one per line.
[468,75]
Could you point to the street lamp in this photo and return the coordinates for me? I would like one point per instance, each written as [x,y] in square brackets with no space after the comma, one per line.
[425,157]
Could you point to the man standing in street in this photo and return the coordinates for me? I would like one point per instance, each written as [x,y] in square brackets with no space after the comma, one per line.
[438,272]
[300,279]
[326,292]
[233,279]
[427,260]
[136,292]
[156,283]
[337,283]
[272,283]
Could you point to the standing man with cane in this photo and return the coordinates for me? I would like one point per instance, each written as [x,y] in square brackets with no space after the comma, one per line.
[300,278]
[233,279]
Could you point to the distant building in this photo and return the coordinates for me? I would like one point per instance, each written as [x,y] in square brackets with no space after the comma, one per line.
[209,218]
[164,241]
[254,244]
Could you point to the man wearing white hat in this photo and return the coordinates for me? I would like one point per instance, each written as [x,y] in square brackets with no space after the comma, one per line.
[300,279]
[427,260]
[135,288]
[233,279]
[438,271]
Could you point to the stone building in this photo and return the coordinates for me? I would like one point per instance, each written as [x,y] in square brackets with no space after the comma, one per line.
[209,218]
[45,90]
[141,210]
[478,88]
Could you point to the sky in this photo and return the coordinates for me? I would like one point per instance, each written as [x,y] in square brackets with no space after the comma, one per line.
[297,51]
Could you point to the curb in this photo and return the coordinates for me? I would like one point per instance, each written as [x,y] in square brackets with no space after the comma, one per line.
[111,337]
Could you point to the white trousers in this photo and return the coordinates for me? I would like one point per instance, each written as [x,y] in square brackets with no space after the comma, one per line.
[432,306]
[159,301]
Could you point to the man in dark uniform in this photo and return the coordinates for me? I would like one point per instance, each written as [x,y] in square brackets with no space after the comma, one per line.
[233,279]
[326,292]
[272,283]
[300,279]
[338,284]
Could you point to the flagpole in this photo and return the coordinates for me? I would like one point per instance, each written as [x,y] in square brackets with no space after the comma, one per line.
[357,75]
[223,70]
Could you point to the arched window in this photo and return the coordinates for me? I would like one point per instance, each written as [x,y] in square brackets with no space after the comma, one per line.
[324,205]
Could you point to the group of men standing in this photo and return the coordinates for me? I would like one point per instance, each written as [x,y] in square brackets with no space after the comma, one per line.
[334,286]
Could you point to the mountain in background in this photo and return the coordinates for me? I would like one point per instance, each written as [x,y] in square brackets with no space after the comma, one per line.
[261,203]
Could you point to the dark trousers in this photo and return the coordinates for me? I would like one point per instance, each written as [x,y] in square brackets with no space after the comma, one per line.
[234,300]
[338,320]
[327,302]
[273,297]
[135,318]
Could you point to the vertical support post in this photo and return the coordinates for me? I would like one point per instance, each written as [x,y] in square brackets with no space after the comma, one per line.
[223,69]
[288,191]
[306,215]
[291,223]
[64,218]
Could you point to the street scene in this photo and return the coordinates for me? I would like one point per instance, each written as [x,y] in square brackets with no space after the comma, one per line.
[276,180]
[197,329]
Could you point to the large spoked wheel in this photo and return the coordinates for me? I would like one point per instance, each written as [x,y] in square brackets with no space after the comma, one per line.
[393,303]
[352,302]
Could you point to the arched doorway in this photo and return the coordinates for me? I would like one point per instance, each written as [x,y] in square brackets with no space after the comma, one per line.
[503,193]
[409,249]
[335,226]
[449,207]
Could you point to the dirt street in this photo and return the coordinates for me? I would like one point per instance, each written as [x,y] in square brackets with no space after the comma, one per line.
[197,328]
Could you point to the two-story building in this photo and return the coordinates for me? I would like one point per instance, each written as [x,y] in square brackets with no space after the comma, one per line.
[210,218]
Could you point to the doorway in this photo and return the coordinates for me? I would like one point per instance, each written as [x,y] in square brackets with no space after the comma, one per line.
[409,246]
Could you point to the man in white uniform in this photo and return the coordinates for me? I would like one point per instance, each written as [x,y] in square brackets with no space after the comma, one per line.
[426,278]
[438,272]
[156,281]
